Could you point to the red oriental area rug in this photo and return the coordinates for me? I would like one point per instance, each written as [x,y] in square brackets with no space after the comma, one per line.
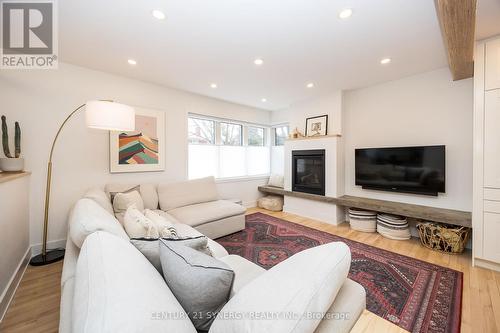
[415,295]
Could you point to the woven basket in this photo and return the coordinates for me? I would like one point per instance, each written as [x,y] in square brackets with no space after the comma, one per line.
[443,238]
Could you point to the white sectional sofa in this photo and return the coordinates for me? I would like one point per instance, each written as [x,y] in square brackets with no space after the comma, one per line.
[109,286]
[195,203]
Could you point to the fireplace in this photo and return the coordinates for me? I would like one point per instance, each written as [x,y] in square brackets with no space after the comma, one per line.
[308,171]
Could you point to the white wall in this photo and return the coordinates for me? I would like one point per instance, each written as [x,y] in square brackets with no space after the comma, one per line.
[295,116]
[425,109]
[41,99]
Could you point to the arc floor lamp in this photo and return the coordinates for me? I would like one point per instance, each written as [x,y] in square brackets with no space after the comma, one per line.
[104,115]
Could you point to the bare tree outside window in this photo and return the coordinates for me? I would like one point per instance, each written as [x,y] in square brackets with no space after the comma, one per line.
[201,131]
[230,134]
[255,136]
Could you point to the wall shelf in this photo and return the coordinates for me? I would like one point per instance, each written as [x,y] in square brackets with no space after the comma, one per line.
[315,137]
[8,176]
[442,215]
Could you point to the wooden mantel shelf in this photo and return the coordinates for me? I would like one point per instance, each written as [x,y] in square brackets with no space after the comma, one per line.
[8,176]
[315,137]
[448,216]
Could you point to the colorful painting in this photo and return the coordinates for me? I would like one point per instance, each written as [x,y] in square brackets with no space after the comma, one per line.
[139,150]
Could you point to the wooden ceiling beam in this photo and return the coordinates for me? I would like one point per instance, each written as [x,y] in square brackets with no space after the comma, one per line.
[457,19]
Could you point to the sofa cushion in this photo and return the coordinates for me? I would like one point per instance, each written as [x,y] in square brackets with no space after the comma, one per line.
[201,213]
[122,201]
[276,180]
[345,310]
[186,231]
[165,227]
[101,198]
[70,258]
[186,193]
[88,217]
[118,290]
[147,191]
[201,283]
[150,248]
[245,271]
[139,226]
[304,284]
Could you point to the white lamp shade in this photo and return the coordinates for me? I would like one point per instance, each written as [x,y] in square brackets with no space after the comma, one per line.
[111,116]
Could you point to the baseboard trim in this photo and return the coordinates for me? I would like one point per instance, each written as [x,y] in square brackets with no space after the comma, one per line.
[486,264]
[55,244]
[16,278]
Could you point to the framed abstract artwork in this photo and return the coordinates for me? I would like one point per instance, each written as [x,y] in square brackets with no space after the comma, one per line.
[142,150]
[317,126]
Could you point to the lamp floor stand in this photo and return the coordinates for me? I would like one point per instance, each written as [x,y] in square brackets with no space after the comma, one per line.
[50,257]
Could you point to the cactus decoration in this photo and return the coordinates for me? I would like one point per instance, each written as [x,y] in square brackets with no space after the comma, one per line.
[5,139]
[17,140]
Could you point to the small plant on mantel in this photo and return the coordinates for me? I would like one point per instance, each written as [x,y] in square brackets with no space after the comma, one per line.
[11,163]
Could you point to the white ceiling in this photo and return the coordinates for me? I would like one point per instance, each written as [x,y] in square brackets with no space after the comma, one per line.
[205,41]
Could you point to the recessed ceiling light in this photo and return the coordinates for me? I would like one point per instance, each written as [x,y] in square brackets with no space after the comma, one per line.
[385,61]
[345,13]
[310,85]
[263,100]
[158,14]
[213,85]
[132,62]
[258,61]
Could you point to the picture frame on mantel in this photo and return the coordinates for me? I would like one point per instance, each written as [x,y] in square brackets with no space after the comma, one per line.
[317,126]
[142,150]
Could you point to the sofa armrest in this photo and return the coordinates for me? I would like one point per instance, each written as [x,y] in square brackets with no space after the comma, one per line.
[294,293]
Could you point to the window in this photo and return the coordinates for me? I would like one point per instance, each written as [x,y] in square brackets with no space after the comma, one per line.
[227,149]
[201,131]
[230,134]
[255,136]
[280,135]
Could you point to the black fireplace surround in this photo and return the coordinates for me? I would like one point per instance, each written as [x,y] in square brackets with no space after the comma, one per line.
[308,171]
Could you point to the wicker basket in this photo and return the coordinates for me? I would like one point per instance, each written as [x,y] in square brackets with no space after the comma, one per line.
[443,238]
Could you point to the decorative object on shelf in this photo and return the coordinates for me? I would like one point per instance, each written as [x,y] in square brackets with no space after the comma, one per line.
[442,237]
[362,220]
[271,202]
[296,134]
[104,115]
[11,163]
[393,226]
[141,150]
[317,126]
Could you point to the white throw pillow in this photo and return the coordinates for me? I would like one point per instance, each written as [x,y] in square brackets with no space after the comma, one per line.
[122,201]
[300,288]
[165,228]
[276,181]
[137,225]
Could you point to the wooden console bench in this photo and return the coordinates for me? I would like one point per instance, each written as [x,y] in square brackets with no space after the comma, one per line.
[448,216]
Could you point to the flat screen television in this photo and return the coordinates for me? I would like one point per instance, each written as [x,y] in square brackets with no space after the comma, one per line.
[418,170]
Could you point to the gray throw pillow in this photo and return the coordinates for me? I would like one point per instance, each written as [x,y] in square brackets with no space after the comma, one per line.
[201,283]
[150,248]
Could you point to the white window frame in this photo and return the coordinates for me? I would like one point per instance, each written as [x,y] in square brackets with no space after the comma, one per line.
[268,142]
[273,133]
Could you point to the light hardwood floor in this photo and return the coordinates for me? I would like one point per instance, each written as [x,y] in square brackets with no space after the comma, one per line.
[35,307]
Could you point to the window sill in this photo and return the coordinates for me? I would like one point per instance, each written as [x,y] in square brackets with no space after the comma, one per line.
[240,179]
